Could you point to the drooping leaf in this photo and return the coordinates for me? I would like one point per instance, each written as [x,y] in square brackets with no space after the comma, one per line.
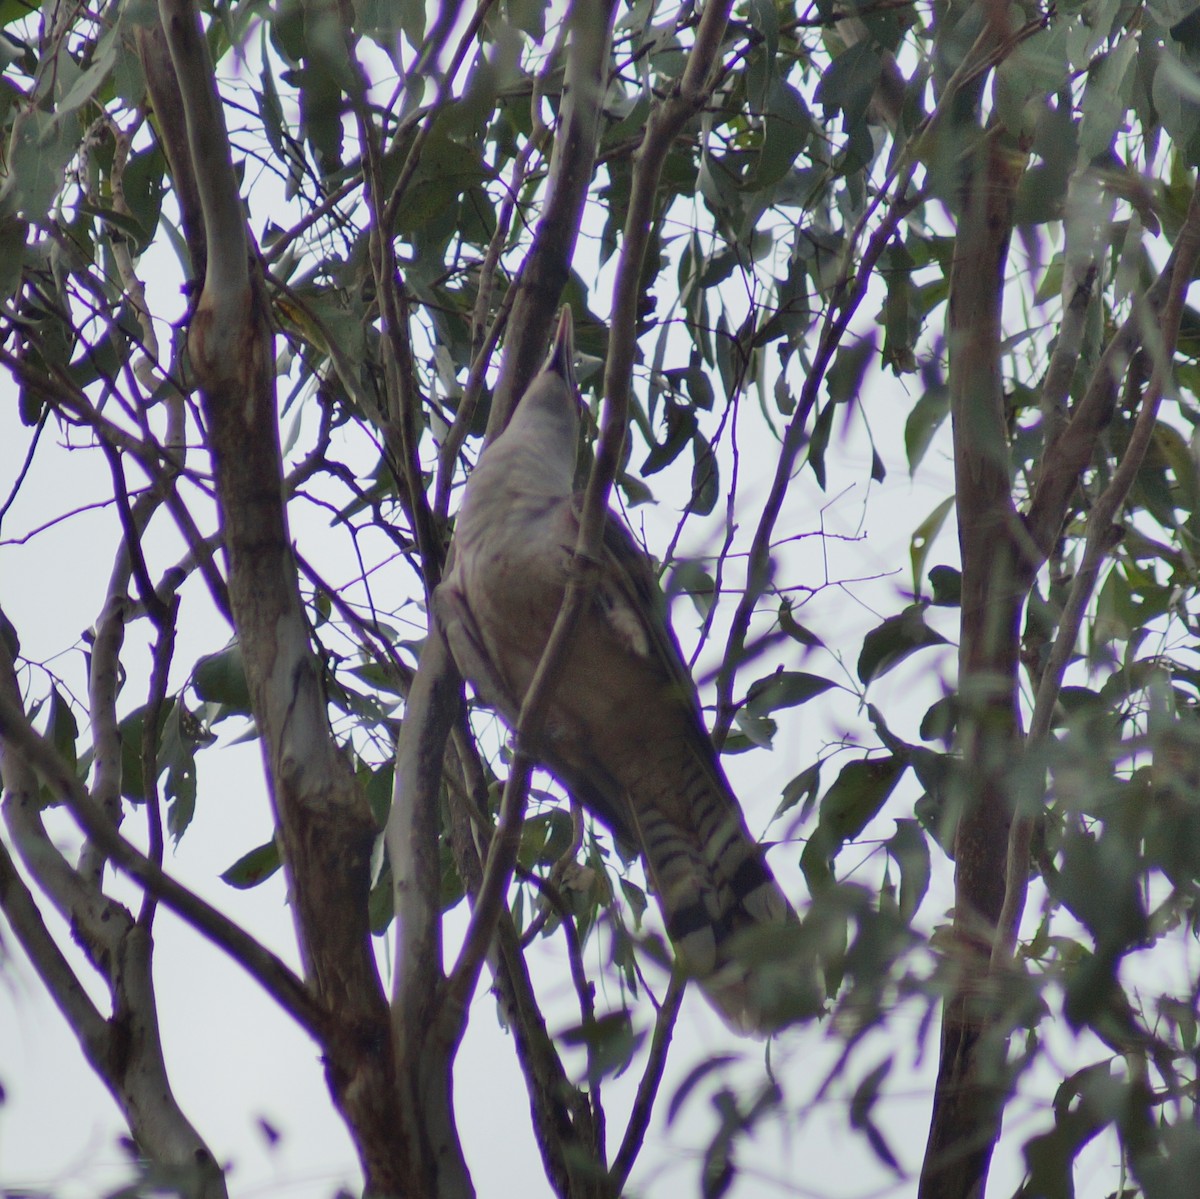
[784,689]
[62,729]
[862,1104]
[908,848]
[220,678]
[254,867]
[801,790]
[852,801]
[886,646]
[922,540]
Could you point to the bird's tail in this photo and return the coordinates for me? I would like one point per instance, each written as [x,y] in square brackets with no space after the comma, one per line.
[714,885]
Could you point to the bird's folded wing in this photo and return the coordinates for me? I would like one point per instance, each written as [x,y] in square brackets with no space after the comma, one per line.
[636,610]
[469,650]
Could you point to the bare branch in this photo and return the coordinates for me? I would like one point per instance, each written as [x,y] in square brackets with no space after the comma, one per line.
[1087,237]
[848,294]
[647,1092]
[164,648]
[104,680]
[126,1052]
[25,920]
[564,1122]
[271,973]
[545,269]
[169,108]
[100,922]
[434,701]
[227,275]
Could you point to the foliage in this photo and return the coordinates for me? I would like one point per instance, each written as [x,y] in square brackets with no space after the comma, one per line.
[827,300]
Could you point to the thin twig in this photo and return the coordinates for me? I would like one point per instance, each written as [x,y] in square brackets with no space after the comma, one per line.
[647,1092]
[837,320]
[164,648]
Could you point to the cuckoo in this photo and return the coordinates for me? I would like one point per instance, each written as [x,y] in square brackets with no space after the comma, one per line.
[624,731]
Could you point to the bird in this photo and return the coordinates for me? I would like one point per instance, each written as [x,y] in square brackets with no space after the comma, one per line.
[624,730]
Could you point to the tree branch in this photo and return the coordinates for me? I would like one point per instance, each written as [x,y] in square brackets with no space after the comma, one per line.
[564,1122]
[1071,451]
[99,922]
[647,1091]
[848,293]
[266,969]
[1098,545]
[967,1103]
[545,269]
[227,270]
[25,920]
[104,675]
[126,1051]
[171,128]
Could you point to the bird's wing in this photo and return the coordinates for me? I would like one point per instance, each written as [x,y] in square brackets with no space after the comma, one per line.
[469,649]
[635,609]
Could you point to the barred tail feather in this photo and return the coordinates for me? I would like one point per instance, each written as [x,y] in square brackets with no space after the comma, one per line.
[713,883]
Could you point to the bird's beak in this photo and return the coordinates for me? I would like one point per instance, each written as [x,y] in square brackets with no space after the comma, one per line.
[562,353]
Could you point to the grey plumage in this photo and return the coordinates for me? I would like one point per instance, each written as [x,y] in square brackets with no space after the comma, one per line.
[624,731]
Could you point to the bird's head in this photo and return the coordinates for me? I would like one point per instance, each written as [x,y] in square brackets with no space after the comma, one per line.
[561,359]
[547,414]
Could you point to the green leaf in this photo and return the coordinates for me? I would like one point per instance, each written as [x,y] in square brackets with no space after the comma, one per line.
[927,415]
[819,442]
[636,898]
[220,678]
[784,689]
[62,729]
[845,377]
[699,385]
[378,788]
[861,1104]
[254,867]
[759,730]
[946,582]
[696,1075]
[849,82]
[681,428]
[133,785]
[40,146]
[795,630]
[706,483]
[788,127]
[12,254]
[909,849]
[545,838]
[940,719]
[801,790]
[611,1044]
[177,754]
[923,538]
[1106,98]
[144,189]
[900,317]
[1051,285]
[855,798]
[689,577]
[899,636]
[1176,95]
